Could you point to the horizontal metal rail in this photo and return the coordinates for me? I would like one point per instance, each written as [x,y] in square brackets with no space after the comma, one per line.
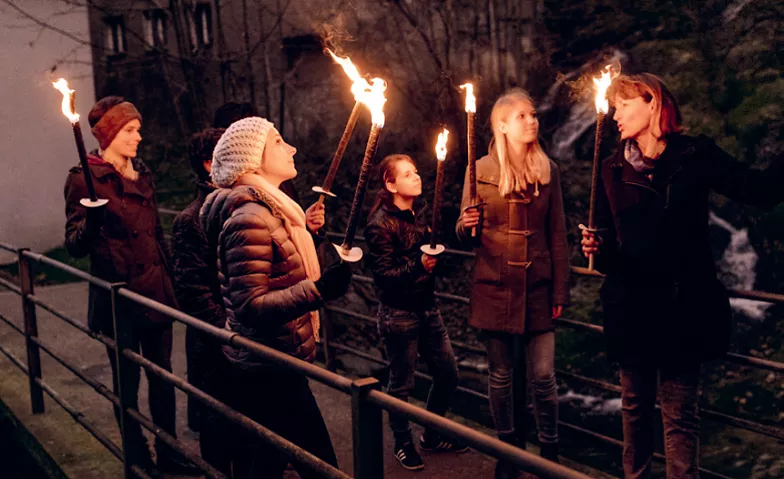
[764,429]
[273,355]
[11,325]
[291,450]
[141,419]
[595,435]
[77,416]
[10,286]
[345,384]
[477,440]
[729,357]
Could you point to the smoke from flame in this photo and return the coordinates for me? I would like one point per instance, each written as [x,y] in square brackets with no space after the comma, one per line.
[470,104]
[441,145]
[371,94]
[62,85]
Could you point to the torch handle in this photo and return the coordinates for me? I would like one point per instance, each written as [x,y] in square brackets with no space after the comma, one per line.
[88,178]
[437,203]
[595,179]
[471,157]
[333,167]
[595,171]
[359,192]
[471,163]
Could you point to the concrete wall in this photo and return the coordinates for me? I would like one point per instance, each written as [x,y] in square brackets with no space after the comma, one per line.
[36,143]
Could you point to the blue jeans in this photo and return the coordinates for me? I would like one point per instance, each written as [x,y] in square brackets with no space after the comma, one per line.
[678,391]
[406,333]
[539,352]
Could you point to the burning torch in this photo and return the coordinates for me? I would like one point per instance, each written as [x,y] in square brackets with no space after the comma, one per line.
[68,107]
[434,249]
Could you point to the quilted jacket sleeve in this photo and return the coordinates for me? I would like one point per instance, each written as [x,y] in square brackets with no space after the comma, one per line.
[247,258]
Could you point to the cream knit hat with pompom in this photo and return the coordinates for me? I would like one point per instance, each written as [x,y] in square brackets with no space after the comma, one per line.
[239,150]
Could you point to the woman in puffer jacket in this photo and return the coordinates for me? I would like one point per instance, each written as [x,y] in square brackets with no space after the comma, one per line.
[272,287]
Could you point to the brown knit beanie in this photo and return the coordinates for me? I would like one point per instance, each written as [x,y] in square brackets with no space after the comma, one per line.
[108,116]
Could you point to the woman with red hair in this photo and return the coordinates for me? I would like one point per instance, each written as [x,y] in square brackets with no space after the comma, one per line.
[665,311]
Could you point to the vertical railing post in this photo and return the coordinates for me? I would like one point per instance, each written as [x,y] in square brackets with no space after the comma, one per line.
[123,339]
[367,431]
[31,331]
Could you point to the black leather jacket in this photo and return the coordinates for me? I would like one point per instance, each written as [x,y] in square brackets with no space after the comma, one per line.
[394,237]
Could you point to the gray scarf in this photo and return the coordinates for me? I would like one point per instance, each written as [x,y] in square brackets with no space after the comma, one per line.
[640,162]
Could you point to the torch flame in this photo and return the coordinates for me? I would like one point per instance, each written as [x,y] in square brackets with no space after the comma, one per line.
[441,145]
[62,85]
[602,84]
[470,105]
[370,94]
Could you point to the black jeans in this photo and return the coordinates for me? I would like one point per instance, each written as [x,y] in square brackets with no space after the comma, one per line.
[406,333]
[678,391]
[282,402]
[155,343]
[539,352]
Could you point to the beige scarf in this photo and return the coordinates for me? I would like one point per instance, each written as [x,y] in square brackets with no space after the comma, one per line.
[295,224]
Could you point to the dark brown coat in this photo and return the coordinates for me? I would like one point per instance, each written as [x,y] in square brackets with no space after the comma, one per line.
[125,245]
[265,288]
[522,260]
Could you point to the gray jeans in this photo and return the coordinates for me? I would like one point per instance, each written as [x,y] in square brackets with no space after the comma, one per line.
[678,391]
[540,366]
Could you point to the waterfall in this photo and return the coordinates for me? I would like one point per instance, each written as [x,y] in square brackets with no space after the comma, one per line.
[737,266]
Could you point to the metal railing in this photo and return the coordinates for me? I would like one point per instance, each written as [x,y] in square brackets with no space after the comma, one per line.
[769,430]
[367,401]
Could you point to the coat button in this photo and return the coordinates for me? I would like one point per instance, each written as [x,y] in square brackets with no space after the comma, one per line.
[144,203]
[135,234]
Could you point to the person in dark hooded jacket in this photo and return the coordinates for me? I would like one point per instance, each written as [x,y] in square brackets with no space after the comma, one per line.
[198,293]
[125,243]
[665,312]
[272,286]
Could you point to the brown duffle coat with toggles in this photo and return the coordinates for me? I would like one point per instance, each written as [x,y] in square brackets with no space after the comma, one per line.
[522,257]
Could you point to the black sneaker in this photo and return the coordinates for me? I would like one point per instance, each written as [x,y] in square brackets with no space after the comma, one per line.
[435,443]
[408,457]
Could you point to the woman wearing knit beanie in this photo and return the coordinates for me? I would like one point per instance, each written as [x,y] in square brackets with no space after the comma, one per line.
[272,287]
[125,243]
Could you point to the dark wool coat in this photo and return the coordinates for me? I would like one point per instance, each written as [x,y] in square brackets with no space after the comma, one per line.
[394,237]
[195,271]
[265,288]
[661,299]
[126,245]
[522,260]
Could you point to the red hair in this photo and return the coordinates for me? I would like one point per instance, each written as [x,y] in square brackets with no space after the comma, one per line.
[650,88]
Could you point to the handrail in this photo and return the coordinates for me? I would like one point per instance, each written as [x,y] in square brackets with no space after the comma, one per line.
[357,388]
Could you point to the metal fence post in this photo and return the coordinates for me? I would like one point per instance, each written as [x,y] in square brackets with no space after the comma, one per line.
[123,338]
[31,331]
[367,431]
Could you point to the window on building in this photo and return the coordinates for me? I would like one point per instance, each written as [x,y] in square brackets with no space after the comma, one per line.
[201,25]
[115,35]
[155,28]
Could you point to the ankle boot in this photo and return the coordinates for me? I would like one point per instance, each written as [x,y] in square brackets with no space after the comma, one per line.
[504,469]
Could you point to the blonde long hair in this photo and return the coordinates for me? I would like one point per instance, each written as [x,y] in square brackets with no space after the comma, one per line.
[535,169]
